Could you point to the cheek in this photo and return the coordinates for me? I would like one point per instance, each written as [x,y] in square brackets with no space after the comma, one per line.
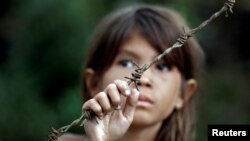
[167,104]
[112,74]
[168,94]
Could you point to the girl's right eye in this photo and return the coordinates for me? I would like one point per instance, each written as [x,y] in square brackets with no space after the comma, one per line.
[126,63]
[163,67]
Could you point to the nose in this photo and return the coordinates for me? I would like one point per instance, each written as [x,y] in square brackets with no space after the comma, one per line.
[146,79]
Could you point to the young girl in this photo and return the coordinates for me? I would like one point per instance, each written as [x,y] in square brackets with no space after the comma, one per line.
[162,109]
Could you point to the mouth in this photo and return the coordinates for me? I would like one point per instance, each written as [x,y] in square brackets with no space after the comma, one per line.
[144,101]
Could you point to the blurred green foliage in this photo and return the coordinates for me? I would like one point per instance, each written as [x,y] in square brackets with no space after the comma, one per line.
[44,42]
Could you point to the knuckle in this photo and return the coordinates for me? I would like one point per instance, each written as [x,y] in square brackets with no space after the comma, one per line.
[91,102]
[98,109]
[123,83]
[102,99]
[87,104]
[117,81]
[100,95]
[111,86]
[84,106]
[95,106]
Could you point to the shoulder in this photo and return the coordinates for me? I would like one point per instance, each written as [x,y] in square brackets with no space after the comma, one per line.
[72,137]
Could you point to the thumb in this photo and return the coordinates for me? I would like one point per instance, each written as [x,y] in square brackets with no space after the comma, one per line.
[130,105]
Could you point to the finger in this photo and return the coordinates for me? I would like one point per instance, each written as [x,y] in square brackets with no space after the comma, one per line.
[123,87]
[114,95]
[103,100]
[94,106]
[130,105]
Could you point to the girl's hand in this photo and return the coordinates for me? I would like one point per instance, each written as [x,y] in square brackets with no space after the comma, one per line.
[115,108]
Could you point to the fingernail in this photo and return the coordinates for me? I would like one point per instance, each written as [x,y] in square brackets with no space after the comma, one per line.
[127,91]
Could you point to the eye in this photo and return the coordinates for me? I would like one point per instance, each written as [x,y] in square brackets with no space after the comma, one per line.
[126,63]
[162,67]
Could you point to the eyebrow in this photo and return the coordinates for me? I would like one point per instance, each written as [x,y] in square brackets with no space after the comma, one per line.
[128,52]
[132,54]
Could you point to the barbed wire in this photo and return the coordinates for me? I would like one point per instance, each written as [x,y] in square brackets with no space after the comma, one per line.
[138,72]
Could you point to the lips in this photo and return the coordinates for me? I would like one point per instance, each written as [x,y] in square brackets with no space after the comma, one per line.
[144,101]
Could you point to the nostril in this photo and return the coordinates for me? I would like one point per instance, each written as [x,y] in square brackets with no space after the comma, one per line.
[142,83]
[139,83]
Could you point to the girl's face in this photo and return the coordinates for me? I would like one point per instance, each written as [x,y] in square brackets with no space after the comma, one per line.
[160,86]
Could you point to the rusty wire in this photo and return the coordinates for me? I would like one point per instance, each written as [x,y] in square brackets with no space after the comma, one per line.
[136,75]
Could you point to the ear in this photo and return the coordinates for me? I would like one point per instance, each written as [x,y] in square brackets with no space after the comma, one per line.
[189,89]
[89,78]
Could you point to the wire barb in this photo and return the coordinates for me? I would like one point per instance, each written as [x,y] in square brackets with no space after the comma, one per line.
[54,135]
[88,114]
[229,4]
[136,75]
[183,38]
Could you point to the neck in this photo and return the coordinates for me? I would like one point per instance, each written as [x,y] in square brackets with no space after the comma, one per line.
[142,133]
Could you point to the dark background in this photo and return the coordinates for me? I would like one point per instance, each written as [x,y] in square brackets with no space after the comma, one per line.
[42,51]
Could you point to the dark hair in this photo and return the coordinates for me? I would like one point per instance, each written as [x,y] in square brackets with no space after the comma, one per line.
[160,27]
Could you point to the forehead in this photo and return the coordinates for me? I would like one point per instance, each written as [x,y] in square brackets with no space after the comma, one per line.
[139,46]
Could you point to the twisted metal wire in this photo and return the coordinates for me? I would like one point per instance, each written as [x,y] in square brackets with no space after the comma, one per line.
[136,75]
[54,135]
[229,4]
[183,38]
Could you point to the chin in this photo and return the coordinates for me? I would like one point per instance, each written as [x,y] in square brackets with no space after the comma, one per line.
[142,117]
[146,117]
